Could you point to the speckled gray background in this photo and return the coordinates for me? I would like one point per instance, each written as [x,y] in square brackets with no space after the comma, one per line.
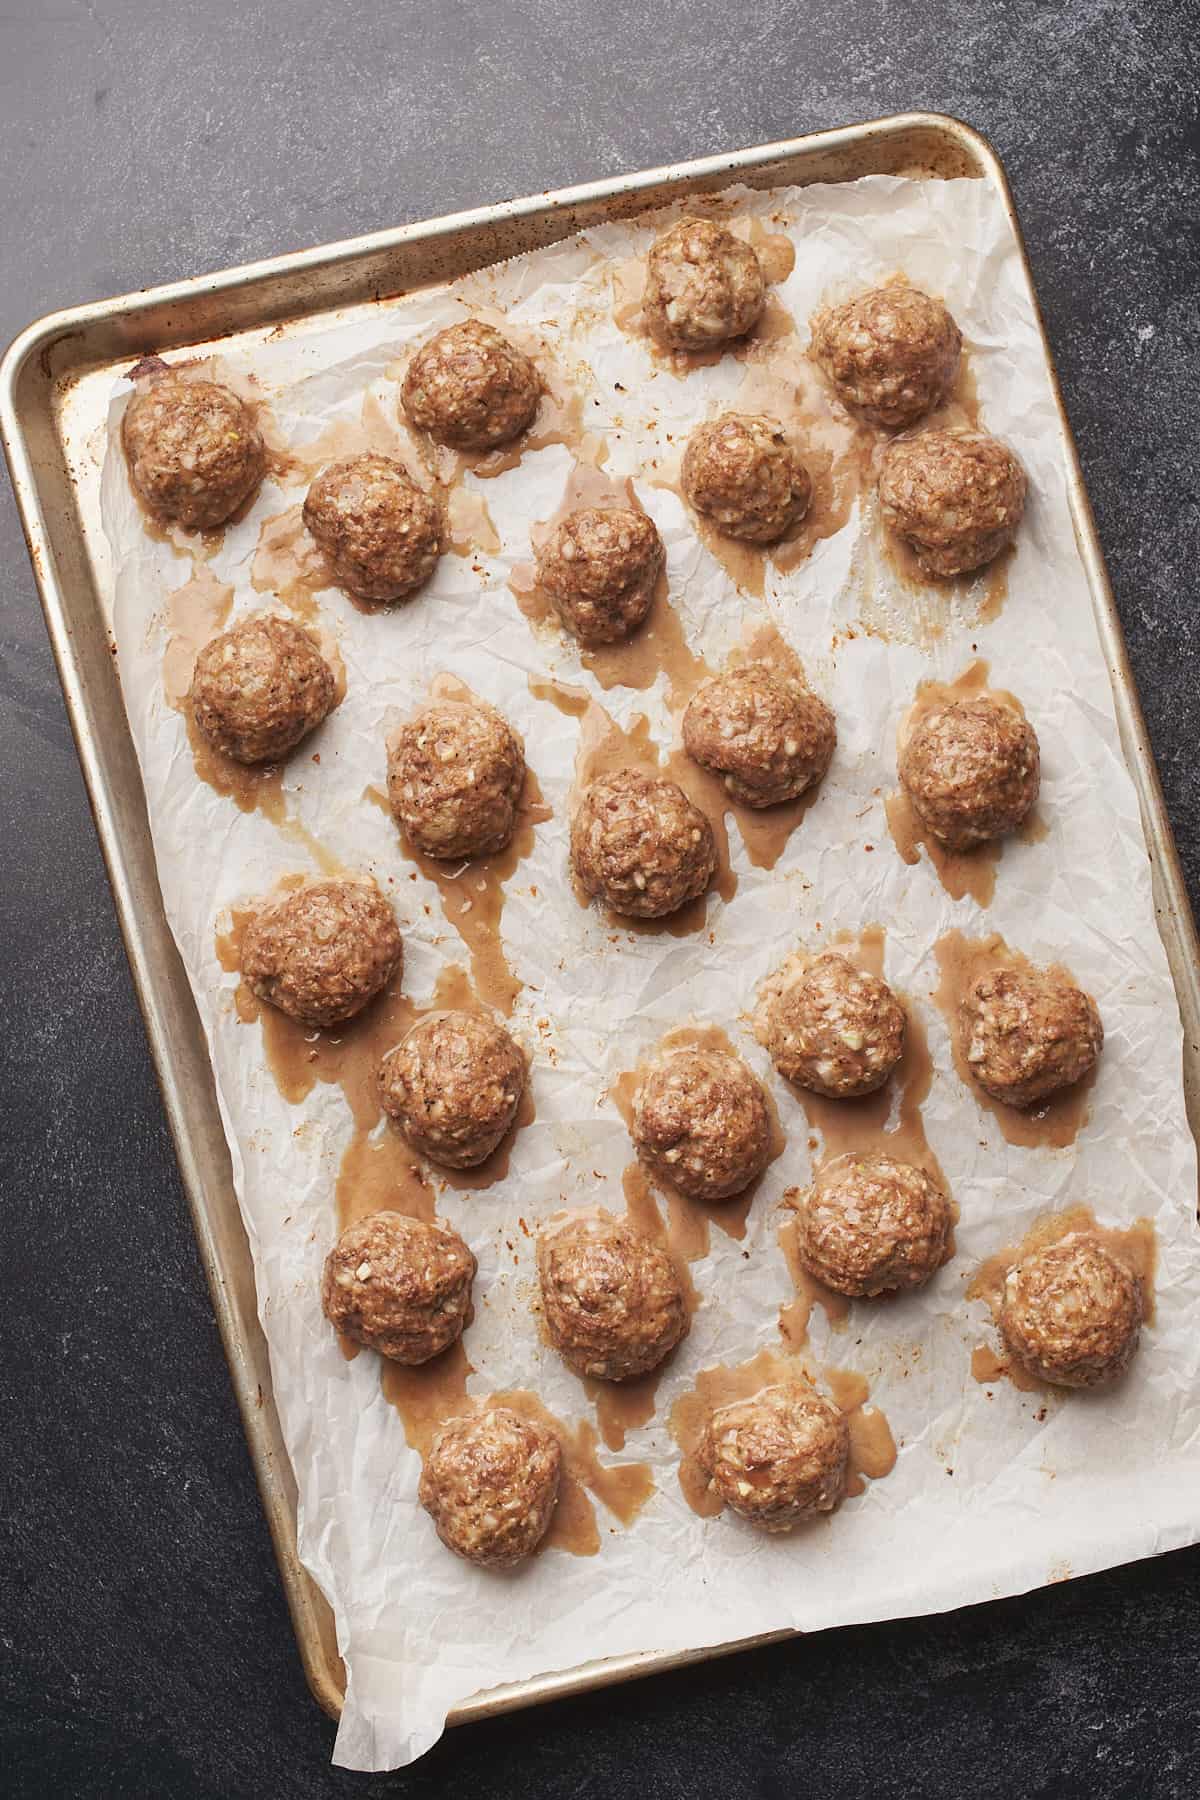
[144,1645]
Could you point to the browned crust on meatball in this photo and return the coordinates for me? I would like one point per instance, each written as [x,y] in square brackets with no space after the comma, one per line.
[831,1027]
[455,774]
[399,1286]
[1027,1033]
[381,533]
[470,387]
[194,451]
[640,845]
[890,354]
[779,1457]
[704,286]
[766,734]
[1072,1313]
[972,769]
[956,496]
[453,1086]
[745,475]
[322,951]
[870,1225]
[490,1485]
[701,1122]
[259,688]
[599,567]
[611,1297]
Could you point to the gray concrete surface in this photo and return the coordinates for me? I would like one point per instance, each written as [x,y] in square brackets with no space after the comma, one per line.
[144,1646]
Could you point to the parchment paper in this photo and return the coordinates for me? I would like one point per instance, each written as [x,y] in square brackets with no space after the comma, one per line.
[994,1491]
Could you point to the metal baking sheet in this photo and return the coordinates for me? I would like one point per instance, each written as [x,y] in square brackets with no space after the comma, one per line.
[54,386]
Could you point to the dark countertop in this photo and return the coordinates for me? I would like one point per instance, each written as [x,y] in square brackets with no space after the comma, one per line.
[144,1645]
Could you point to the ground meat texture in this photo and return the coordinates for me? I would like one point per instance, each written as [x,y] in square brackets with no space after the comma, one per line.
[955,496]
[490,1485]
[599,566]
[765,734]
[745,475]
[1026,1033]
[1072,1313]
[399,1286]
[381,533]
[891,354]
[453,1086]
[703,286]
[611,1297]
[834,1028]
[640,845]
[471,388]
[455,775]
[194,452]
[972,769]
[322,951]
[701,1122]
[779,1457]
[870,1224]
[259,688]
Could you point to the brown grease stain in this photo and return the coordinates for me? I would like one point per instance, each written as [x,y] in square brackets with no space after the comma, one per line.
[288,564]
[195,612]
[872,1446]
[794,1316]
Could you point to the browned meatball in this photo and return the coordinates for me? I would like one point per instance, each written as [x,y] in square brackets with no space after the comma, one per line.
[611,1297]
[641,845]
[453,1086]
[1029,1032]
[744,475]
[471,388]
[701,1122]
[972,769]
[767,735]
[195,454]
[890,354]
[381,533]
[956,496]
[779,1457]
[322,951]
[455,775]
[259,688]
[599,567]
[490,1485]
[1072,1313]
[870,1224]
[703,286]
[833,1028]
[399,1286]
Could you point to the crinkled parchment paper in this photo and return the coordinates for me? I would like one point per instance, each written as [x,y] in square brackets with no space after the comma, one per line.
[995,1491]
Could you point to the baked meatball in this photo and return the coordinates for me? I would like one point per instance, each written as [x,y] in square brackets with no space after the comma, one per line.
[1071,1313]
[703,286]
[956,496]
[641,845]
[320,952]
[891,354]
[972,769]
[453,1086]
[744,475]
[611,1296]
[399,1286]
[490,1485]
[870,1224]
[833,1028]
[599,566]
[259,688]
[779,1457]
[701,1122]
[1029,1032]
[471,388]
[764,733]
[380,532]
[194,452]
[455,774]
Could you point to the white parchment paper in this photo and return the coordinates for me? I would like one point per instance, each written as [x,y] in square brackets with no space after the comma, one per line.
[994,1492]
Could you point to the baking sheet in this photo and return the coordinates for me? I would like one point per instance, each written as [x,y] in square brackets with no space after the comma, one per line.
[419,1631]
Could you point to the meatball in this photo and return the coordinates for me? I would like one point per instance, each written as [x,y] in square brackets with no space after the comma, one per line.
[701,1122]
[599,566]
[471,388]
[703,286]
[322,951]
[453,1087]
[1072,1313]
[744,475]
[641,845]
[381,533]
[259,688]
[455,774]
[956,496]
[1029,1032]
[869,1224]
[779,1457]
[764,733]
[195,454]
[972,769]
[890,355]
[399,1286]
[611,1297]
[490,1485]
[833,1028]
